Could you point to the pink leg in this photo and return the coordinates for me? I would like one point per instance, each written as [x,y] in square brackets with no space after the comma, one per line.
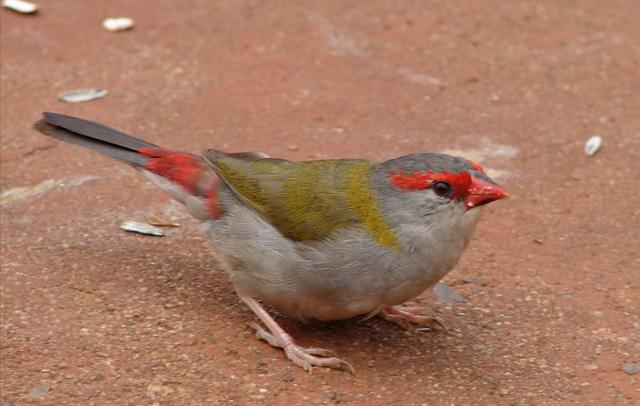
[405,317]
[307,358]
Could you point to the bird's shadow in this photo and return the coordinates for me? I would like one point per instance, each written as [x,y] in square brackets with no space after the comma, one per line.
[208,296]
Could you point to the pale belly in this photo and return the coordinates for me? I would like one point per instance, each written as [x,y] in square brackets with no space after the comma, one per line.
[348,276]
[339,281]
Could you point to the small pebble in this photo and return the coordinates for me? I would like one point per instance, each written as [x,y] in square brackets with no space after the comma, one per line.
[476,280]
[445,294]
[38,391]
[630,368]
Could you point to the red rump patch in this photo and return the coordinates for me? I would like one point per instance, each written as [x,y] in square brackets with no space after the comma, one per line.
[187,170]
[182,168]
[404,181]
[211,195]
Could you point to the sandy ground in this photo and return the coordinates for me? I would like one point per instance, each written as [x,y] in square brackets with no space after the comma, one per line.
[94,315]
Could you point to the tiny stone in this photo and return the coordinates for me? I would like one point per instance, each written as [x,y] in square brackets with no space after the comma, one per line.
[38,392]
[445,294]
[476,280]
[630,368]
[538,241]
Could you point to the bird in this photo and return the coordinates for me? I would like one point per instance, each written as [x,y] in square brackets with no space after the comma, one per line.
[319,239]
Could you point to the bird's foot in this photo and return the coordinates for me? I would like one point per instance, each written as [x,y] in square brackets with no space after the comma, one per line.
[275,335]
[306,358]
[406,317]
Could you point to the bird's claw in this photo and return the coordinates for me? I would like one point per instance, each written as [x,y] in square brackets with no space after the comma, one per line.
[406,318]
[264,335]
[306,358]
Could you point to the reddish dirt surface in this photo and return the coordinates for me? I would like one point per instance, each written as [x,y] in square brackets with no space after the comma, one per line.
[94,315]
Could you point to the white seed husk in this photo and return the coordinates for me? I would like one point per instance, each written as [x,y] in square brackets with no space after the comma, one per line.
[592,145]
[117,23]
[82,95]
[142,228]
[20,6]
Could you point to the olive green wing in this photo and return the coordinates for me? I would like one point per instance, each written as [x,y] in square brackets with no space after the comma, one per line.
[305,200]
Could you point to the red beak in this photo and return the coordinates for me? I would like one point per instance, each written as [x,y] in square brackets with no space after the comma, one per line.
[482,191]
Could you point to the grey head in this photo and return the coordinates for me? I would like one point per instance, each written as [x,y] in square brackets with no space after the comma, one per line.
[431,188]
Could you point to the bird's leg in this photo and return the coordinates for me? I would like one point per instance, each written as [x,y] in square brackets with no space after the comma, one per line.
[405,317]
[307,358]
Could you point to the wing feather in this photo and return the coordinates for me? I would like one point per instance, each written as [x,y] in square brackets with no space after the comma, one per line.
[304,200]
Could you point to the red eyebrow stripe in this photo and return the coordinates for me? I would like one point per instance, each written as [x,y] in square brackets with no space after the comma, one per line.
[476,166]
[413,180]
[460,181]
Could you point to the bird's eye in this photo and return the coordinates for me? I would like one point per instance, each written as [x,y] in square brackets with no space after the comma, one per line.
[441,188]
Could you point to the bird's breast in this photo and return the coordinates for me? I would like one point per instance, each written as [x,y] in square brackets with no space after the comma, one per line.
[346,275]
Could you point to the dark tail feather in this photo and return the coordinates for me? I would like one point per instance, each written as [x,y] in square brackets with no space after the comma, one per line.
[94,136]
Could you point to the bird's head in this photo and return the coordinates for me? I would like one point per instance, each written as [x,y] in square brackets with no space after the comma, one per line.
[430,188]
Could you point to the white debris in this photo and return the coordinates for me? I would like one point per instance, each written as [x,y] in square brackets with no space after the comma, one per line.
[78,181]
[141,228]
[117,24]
[592,145]
[24,192]
[419,78]
[20,6]
[82,95]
